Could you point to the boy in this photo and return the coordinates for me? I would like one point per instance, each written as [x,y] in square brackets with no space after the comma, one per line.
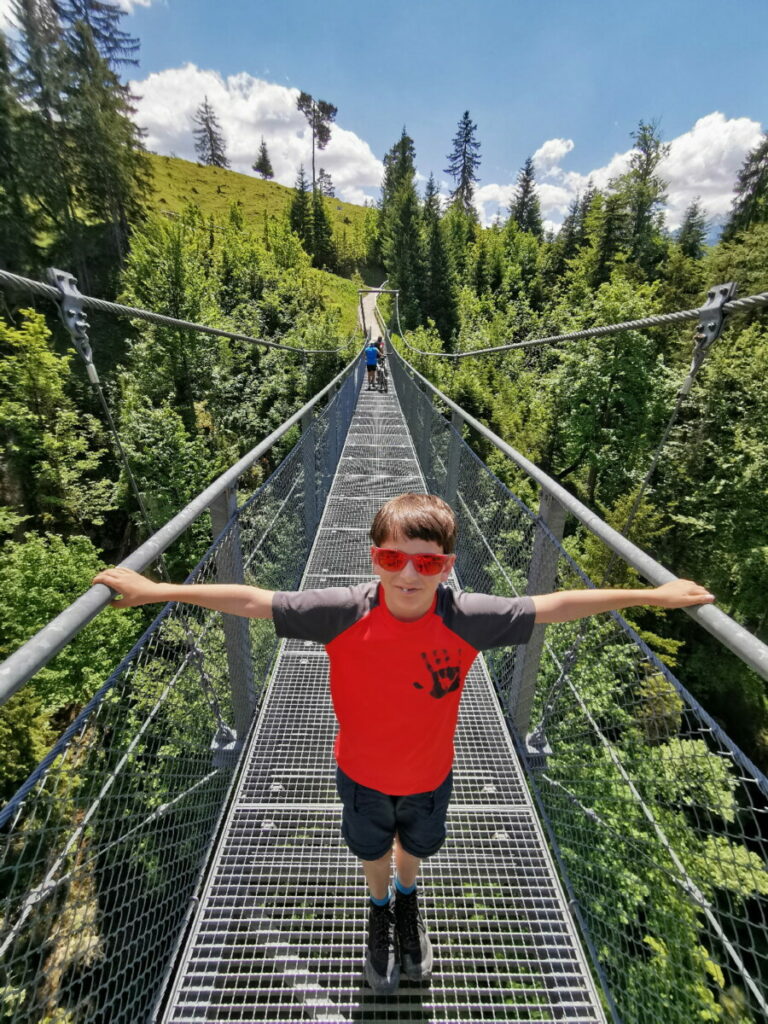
[371,362]
[399,649]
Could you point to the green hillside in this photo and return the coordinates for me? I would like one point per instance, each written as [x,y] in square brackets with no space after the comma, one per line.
[178,182]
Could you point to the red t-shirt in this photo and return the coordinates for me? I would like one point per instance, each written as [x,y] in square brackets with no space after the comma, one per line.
[396,685]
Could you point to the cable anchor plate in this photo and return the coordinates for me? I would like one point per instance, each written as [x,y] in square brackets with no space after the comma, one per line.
[711,323]
[72,312]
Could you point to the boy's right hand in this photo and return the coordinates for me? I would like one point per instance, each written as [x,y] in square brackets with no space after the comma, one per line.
[133,589]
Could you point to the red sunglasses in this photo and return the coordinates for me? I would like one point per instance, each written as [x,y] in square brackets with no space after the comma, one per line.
[392,560]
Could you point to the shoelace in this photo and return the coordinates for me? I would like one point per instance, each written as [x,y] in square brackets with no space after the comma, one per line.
[380,930]
[408,917]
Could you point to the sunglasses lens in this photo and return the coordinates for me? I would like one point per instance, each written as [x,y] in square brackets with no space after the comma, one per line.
[429,565]
[389,560]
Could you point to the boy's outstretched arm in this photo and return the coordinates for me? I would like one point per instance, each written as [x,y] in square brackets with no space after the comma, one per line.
[567,605]
[134,589]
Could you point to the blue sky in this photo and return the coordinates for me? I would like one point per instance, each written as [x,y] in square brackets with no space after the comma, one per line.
[565,79]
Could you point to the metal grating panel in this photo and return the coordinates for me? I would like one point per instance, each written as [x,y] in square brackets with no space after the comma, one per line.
[280,932]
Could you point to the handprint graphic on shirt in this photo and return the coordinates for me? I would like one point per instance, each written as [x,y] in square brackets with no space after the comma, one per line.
[445,677]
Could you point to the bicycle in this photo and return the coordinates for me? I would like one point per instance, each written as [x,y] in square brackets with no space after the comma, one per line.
[381,381]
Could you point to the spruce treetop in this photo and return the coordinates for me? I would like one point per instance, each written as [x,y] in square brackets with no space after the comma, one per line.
[463,161]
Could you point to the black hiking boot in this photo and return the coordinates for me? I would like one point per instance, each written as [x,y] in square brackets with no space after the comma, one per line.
[382,971]
[416,958]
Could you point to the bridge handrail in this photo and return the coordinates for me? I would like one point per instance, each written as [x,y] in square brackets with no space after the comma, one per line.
[27,660]
[737,639]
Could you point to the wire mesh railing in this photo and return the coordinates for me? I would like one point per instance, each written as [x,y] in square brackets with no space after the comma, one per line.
[659,823]
[104,846]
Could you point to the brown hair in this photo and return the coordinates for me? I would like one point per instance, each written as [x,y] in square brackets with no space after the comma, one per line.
[417,517]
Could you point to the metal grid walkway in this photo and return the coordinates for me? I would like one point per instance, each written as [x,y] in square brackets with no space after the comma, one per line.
[280,931]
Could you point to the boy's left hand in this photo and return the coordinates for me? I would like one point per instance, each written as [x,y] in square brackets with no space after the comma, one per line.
[681,594]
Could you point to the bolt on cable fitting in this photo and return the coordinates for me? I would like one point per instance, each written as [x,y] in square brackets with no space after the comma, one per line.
[711,323]
[72,313]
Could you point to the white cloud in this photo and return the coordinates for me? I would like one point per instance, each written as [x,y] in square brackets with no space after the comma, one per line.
[551,153]
[247,108]
[705,162]
[702,162]
[128,5]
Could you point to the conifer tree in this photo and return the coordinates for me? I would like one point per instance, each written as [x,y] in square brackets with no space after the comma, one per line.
[263,165]
[566,245]
[693,231]
[16,224]
[300,211]
[325,184]
[320,115]
[463,161]
[102,19]
[750,204]
[400,228]
[112,171]
[525,209]
[643,194]
[322,235]
[440,299]
[580,224]
[44,138]
[209,138]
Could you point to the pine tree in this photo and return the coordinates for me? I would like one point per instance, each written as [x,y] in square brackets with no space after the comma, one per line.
[325,184]
[263,164]
[116,46]
[300,211]
[643,194]
[400,228]
[323,254]
[693,231]
[565,246]
[320,115]
[525,208]
[44,136]
[585,202]
[750,204]
[440,298]
[17,251]
[112,168]
[463,162]
[209,138]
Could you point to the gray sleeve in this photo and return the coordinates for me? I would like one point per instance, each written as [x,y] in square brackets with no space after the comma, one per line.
[486,621]
[319,615]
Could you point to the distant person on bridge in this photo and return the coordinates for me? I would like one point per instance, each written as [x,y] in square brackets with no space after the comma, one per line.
[399,648]
[371,362]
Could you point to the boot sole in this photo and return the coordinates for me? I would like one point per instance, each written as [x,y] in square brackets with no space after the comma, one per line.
[380,985]
[420,972]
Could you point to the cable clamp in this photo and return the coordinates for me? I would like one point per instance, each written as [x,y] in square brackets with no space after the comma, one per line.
[72,313]
[711,323]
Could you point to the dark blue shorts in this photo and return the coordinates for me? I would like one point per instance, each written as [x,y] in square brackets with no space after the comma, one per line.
[372,819]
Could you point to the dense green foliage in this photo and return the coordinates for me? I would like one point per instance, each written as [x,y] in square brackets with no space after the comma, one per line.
[592,412]
[74,184]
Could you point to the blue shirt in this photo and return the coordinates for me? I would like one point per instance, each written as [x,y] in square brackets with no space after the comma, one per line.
[371,355]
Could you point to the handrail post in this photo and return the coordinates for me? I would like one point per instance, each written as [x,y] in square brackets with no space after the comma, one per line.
[454,459]
[229,569]
[308,463]
[542,577]
[424,439]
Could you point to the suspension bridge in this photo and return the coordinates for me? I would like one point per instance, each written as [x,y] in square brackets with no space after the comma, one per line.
[176,856]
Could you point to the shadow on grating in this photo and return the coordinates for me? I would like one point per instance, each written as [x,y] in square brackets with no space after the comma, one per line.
[280,933]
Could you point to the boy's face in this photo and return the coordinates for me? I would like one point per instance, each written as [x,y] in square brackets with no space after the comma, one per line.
[408,594]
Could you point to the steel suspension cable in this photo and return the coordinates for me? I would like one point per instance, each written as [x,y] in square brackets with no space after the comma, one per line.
[49,292]
[657,320]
